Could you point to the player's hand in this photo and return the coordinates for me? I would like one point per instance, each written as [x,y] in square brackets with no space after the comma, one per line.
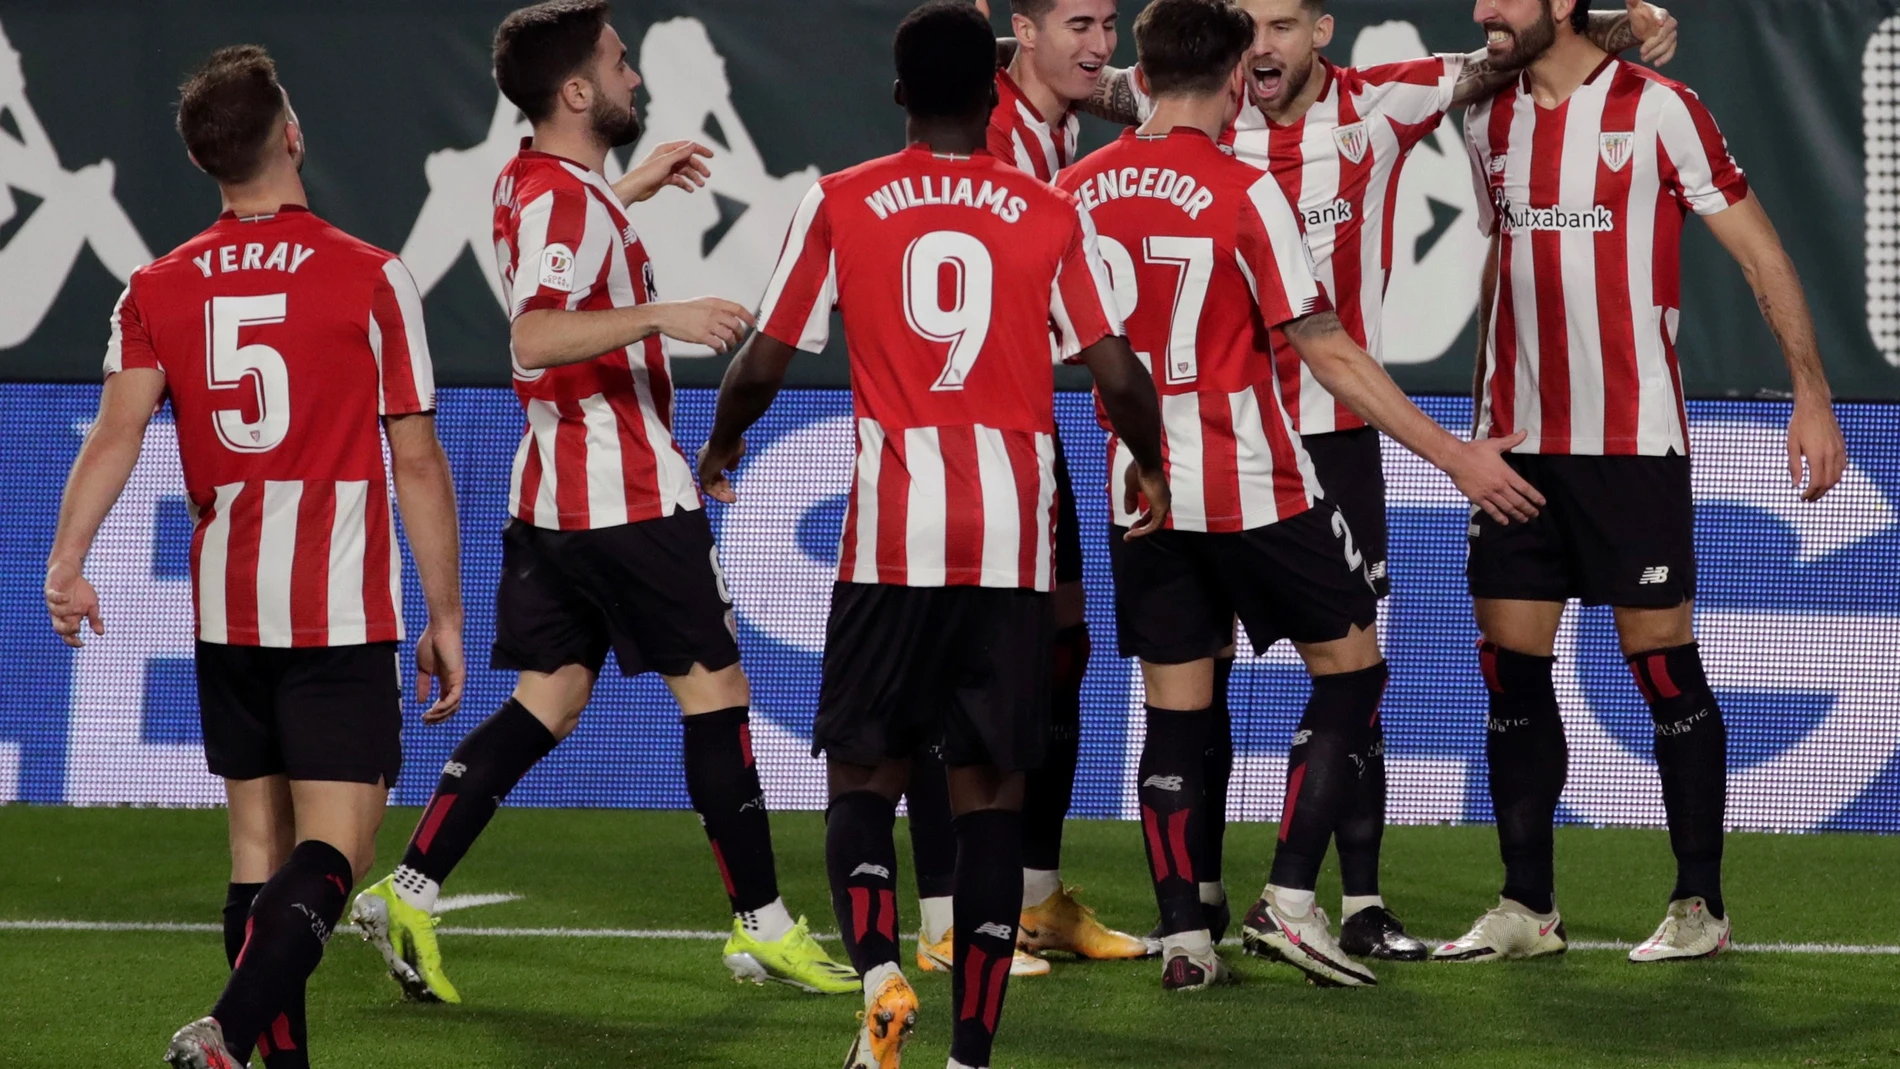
[1481,474]
[439,661]
[1656,28]
[1814,434]
[715,469]
[1153,487]
[674,163]
[71,601]
[713,322]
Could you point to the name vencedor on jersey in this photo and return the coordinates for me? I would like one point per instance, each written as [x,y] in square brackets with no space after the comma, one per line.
[286,256]
[901,195]
[1155,183]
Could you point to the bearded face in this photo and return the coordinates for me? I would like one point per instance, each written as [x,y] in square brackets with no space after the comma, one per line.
[1515,47]
[615,122]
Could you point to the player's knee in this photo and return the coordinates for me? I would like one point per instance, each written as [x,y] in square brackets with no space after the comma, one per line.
[1356,652]
[1643,630]
[1347,703]
[1667,676]
[706,690]
[1179,687]
[1511,674]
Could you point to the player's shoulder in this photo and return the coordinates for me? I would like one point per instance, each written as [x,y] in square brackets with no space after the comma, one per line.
[1654,81]
[530,174]
[1428,71]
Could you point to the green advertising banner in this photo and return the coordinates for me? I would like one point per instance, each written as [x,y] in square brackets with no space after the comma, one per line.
[407,133]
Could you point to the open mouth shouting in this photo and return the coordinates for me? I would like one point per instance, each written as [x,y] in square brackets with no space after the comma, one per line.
[1268,79]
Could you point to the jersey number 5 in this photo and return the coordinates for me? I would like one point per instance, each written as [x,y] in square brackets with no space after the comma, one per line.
[256,368]
[1195,259]
[954,262]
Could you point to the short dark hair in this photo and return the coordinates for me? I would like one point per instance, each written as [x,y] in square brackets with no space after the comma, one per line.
[539,47]
[1580,16]
[227,110]
[946,60]
[1191,46]
[1034,10]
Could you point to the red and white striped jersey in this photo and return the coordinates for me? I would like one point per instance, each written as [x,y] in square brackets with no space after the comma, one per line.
[1205,257]
[283,340]
[1339,164]
[1591,197]
[598,450]
[1019,134]
[950,272]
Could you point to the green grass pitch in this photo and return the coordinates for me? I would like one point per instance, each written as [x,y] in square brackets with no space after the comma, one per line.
[89,998]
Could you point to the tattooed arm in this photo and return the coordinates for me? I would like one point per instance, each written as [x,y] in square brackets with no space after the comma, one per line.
[1652,27]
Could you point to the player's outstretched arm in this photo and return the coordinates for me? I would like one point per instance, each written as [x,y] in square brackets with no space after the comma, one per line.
[425,494]
[1128,396]
[1745,230]
[752,382]
[1644,24]
[105,462]
[674,163]
[1348,373]
[554,337]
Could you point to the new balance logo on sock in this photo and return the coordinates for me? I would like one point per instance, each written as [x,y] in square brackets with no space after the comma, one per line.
[879,871]
[995,930]
[454,768]
[1653,576]
[1166,783]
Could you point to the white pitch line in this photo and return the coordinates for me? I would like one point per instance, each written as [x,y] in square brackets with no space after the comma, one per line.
[450,903]
[691,934]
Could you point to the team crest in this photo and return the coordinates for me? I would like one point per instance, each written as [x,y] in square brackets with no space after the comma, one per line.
[1353,141]
[1617,149]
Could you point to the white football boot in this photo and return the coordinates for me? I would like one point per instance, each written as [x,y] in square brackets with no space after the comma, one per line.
[1306,943]
[1688,931]
[1510,931]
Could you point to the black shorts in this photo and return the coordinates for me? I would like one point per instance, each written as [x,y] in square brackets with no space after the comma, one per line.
[1352,477]
[310,713]
[1068,527]
[1614,531]
[913,667]
[1177,592]
[651,591]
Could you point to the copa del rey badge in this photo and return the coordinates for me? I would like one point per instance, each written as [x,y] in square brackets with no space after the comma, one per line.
[1353,141]
[1617,149]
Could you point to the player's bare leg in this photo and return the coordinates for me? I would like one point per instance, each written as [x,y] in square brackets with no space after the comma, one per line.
[1349,677]
[1692,759]
[1529,762]
[1171,785]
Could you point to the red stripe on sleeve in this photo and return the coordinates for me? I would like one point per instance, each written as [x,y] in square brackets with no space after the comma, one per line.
[786,319]
[399,394]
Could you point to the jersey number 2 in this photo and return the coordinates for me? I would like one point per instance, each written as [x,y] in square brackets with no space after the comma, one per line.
[965,324]
[256,368]
[1195,258]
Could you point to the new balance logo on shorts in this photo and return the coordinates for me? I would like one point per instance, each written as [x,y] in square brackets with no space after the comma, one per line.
[1302,737]
[1166,783]
[454,768]
[996,931]
[1653,576]
[879,871]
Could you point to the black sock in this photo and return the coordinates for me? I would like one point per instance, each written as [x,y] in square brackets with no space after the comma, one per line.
[861,858]
[1321,779]
[1529,762]
[291,919]
[486,765]
[989,902]
[723,782]
[933,845]
[1692,756]
[1359,835]
[1218,770]
[1048,790]
[1172,788]
[284,1042]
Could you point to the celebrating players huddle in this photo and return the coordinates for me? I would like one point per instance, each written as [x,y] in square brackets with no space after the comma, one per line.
[1220,270]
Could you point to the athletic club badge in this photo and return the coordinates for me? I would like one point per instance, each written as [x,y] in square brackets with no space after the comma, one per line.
[1353,141]
[1617,149]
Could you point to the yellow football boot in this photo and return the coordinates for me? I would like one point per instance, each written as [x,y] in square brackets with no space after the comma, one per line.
[1061,923]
